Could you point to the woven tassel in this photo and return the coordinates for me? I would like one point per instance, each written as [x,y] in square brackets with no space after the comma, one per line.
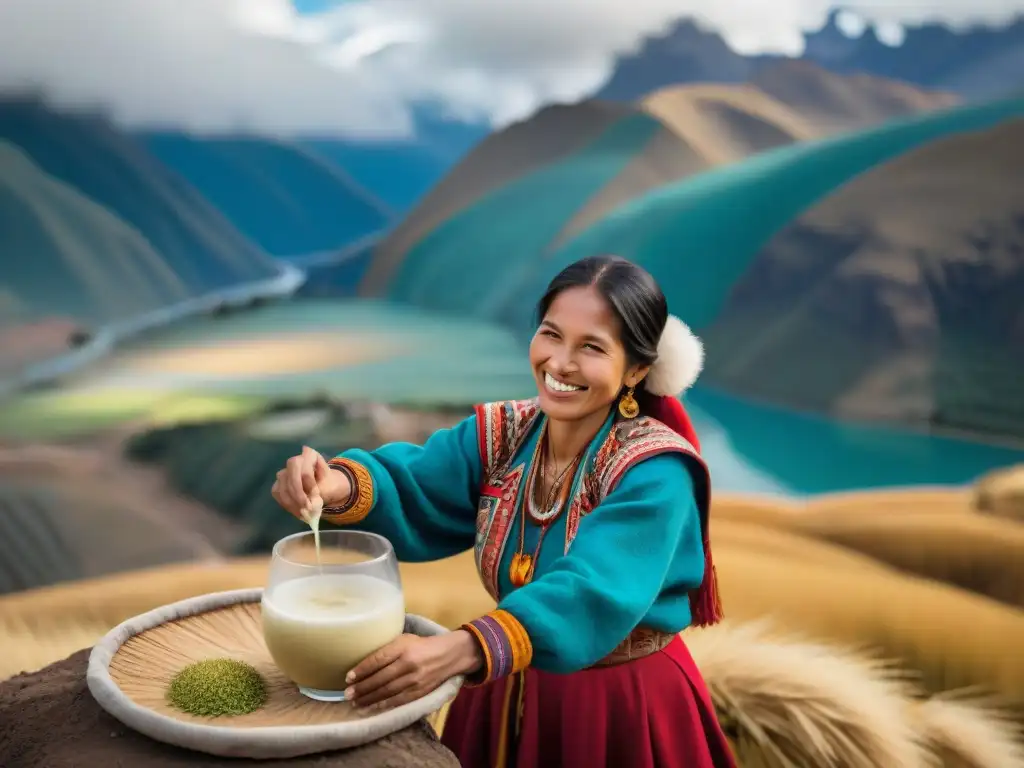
[705,601]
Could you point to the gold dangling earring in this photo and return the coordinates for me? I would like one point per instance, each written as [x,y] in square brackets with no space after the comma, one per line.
[628,406]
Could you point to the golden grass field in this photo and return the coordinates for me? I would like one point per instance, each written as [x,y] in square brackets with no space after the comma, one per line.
[266,355]
[1001,493]
[820,598]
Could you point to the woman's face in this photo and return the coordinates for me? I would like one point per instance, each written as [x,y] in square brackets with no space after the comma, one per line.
[578,361]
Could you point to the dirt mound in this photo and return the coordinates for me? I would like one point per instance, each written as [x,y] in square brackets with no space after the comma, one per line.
[50,719]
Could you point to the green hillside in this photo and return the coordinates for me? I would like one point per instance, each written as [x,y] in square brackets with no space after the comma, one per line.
[512,153]
[700,236]
[284,197]
[64,254]
[697,236]
[460,264]
[113,170]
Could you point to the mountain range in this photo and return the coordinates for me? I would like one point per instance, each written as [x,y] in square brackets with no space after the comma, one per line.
[82,260]
[88,154]
[709,237]
[99,225]
[281,195]
[977,63]
[680,131]
[744,180]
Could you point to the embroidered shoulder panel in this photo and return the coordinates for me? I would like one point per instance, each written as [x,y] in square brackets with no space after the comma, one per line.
[501,429]
[632,440]
[628,442]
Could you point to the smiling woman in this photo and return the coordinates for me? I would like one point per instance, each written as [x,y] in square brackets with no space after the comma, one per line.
[587,507]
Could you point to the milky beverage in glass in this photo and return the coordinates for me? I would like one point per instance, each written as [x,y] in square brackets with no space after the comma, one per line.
[325,612]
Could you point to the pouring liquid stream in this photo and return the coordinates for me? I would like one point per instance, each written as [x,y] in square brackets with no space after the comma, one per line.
[311,515]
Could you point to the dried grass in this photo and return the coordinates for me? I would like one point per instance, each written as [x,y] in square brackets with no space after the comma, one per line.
[1001,493]
[145,665]
[978,553]
[847,505]
[794,704]
[890,502]
[952,638]
[931,532]
[968,733]
[780,513]
[784,699]
[775,542]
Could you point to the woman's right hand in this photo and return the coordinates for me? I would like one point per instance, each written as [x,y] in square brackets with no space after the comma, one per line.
[305,476]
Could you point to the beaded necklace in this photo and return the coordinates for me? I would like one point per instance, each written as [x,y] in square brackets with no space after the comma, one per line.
[523,565]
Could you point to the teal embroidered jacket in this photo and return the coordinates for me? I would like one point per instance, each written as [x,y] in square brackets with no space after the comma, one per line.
[630,561]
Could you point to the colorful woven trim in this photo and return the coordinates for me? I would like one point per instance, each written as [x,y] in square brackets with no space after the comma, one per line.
[505,643]
[360,502]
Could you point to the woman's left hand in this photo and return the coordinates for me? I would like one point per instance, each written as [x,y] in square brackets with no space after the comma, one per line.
[410,667]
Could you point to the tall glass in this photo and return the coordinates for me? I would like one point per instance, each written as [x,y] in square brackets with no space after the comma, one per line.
[320,619]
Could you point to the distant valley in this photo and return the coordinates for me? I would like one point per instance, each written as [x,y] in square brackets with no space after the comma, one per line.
[776,199]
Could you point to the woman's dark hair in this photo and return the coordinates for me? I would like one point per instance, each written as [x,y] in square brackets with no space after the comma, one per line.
[631,292]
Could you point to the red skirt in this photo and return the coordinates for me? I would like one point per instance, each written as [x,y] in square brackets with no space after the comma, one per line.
[653,712]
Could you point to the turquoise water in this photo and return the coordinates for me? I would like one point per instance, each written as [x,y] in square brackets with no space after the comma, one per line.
[762,449]
[443,360]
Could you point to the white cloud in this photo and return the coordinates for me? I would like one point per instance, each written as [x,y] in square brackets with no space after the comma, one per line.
[203,64]
[221,64]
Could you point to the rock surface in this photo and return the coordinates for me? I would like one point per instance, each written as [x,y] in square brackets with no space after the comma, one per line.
[894,299]
[50,719]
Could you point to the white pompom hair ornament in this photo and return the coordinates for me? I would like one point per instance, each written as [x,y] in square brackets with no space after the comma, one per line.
[680,360]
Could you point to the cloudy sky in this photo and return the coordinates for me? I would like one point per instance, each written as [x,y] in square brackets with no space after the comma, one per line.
[355,67]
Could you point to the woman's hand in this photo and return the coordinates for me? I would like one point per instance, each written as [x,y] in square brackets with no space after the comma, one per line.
[411,667]
[305,476]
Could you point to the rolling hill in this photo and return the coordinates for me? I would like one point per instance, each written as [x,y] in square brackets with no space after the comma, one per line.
[719,124]
[698,127]
[114,526]
[494,242]
[686,233]
[728,122]
[552,133]
[898,297]
[66,255]
[283,196]
[832,102]
[689,229]
[783,103]
[198,244]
